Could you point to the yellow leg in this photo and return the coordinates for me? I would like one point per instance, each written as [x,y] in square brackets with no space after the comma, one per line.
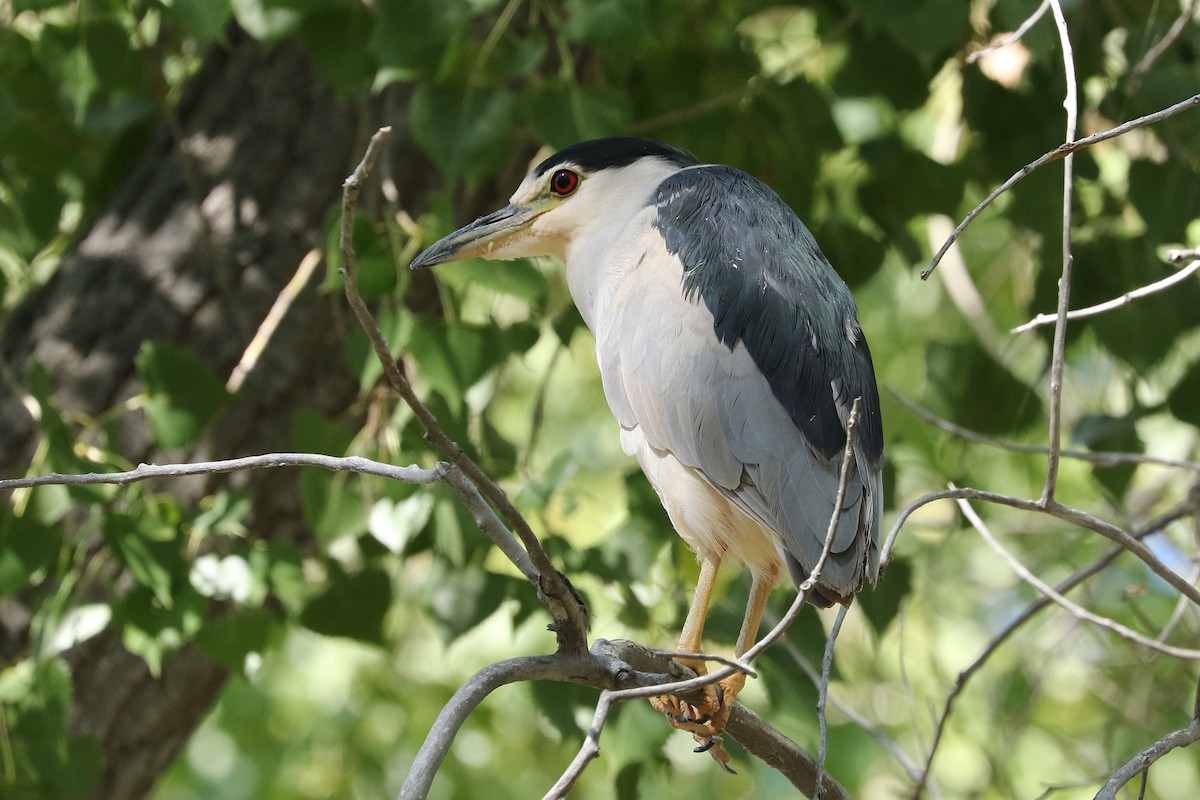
[706,721]
[760,589]
[693,626]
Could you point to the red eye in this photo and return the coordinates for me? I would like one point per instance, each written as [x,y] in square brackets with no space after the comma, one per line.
[563,182]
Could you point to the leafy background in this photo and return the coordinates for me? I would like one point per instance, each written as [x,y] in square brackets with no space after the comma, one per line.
[865,116]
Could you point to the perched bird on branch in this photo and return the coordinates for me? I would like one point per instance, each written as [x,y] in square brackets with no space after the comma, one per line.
[731,355]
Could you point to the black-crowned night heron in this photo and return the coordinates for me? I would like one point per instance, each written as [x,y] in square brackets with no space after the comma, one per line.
[731,354]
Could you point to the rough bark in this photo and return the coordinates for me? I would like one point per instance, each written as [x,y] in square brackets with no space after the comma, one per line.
[192,249]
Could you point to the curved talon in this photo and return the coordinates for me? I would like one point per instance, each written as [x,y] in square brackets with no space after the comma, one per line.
[704,747]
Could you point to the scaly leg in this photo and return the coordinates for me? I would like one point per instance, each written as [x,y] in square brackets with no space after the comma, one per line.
[683,715]
[707,720]
[760,590]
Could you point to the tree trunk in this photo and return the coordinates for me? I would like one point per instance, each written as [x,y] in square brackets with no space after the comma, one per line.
[193,249]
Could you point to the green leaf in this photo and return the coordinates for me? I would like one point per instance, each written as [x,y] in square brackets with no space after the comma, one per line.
[182,393]
[60,445]
[889,197]
[1166,198]
[610,24]
[265,20]
[152,630]
[561,112]
[394,523]
[236,635]
[416,35]
[44,761]
[352,606]
[520,279]
[222,515]
[336,41]
[451,357]
[28,548]
[147,548]
[203,19]
[462,597]
[465,132]
[974,390]
[558,701]
[313,432]
[1184,400]
[928,29]
[284,570]
[881,604]
[1118,434]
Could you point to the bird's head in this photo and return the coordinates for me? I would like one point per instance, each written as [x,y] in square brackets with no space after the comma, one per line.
[569,193]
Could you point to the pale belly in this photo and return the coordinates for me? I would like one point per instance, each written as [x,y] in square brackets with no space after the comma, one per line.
[711,525]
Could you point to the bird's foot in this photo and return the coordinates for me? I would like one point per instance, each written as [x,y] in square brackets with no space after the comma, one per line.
[705,720]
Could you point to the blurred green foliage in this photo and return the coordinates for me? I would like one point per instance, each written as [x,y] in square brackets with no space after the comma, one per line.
[865,117]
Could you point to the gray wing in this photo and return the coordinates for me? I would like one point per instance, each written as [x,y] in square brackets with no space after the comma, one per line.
[735,346]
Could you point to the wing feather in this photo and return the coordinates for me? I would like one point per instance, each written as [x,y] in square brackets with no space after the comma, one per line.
[736,358]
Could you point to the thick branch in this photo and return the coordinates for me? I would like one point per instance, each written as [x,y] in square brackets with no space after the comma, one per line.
[1141,762]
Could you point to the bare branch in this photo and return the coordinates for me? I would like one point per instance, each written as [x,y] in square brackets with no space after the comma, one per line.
[1076,610]
[1125,299]
[266,329]
[1057,357]
[1101,458]
[560,598]
[486,519]
[1016,36]
[409,474]
[1138,73]
[1183,737]
[1062,151]
[599,668]
[780,752]
[823,695]
[1068,583]
[1054,509]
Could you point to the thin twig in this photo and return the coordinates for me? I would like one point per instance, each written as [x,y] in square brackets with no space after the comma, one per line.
[1079,518]
[1062,151]
[1015,37]
[907,764]
[409,474]
[1101,458]
[1138,73]
[1067,584]
[1074,609]
[823,695]
[1125,299]
[1058,352]
[266,329]
[486,519]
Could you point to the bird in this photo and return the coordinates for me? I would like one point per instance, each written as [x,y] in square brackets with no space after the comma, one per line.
[730,353]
